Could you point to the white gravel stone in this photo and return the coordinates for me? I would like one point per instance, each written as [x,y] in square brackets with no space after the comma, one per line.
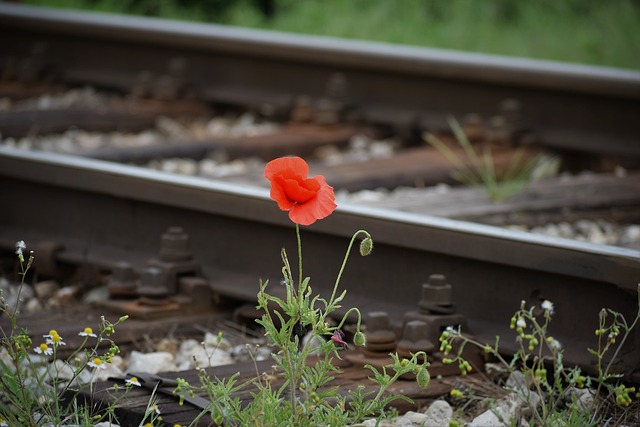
[151,363]
[584,398]
[439,414]
[46,289]
[507,411]
[192,354]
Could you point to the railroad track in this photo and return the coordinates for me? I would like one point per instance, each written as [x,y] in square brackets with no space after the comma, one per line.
[89,212]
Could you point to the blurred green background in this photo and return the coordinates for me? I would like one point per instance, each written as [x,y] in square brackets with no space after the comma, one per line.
[599,32]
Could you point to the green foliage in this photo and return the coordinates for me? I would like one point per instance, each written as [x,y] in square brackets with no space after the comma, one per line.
[305,396]
[479,169]
[30,383]
[585,31]
[540,358]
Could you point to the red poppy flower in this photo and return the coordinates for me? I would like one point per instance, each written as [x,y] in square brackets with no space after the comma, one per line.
[306,199]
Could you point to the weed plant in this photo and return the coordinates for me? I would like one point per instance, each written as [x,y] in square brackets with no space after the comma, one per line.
[550,387]
[305,368]
[33,376]
[478,169]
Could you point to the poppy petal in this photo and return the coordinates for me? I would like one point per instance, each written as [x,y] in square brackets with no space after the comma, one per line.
[296,165]
[317,208]
[306,199]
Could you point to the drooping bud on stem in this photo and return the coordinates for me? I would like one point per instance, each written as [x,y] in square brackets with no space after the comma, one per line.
[366,246]
[359,339]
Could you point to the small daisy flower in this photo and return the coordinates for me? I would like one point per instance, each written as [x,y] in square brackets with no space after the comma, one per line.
[133,381]
[97,363]
[155,409]
[87,332]
[54,339]
[51,333]
[43,349]
[547,306]
[3,423]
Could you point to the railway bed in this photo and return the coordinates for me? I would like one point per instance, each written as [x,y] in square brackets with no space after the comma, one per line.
[93,219]
[120,213]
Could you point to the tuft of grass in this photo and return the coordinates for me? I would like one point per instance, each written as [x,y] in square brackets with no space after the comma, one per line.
[584,31]
[478,169]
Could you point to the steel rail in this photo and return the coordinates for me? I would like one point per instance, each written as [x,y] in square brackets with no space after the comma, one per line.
[99,212]
[566,106]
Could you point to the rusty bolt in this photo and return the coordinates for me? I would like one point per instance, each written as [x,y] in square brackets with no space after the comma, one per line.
[123,281]
[174,245]
[437,296]
[143,86]
[473,127]
[415,338]
[152,290]
[510,109]
[337,86]
[379,329]
[302,110]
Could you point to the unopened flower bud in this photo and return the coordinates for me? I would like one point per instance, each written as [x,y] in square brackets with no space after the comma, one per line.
[359,339]
[423,377]
[366,246]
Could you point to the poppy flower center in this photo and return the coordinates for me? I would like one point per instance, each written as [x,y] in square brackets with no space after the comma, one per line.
[300,190]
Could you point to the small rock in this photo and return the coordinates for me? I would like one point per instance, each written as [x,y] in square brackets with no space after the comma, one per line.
[581,397]
[487,419]
[64,296]
[46,289]
[193,354]
[517,382]
[96,295]
[151,363]
[438,414]
[33,306]
[496,371]
[375,423]
[507,411]
[211,341]
[412,419]
[250,352]
[167,345]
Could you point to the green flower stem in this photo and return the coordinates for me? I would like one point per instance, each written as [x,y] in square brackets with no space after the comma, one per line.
[300,290]
[346,315]
[344,263]
[603,376]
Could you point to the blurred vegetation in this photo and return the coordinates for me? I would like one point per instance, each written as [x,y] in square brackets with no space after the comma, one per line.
[597,32]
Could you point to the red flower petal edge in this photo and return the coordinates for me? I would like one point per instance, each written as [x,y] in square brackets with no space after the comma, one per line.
[306,199]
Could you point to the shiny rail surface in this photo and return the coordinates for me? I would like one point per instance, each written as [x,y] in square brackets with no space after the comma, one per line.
[100,213]
[564,106]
